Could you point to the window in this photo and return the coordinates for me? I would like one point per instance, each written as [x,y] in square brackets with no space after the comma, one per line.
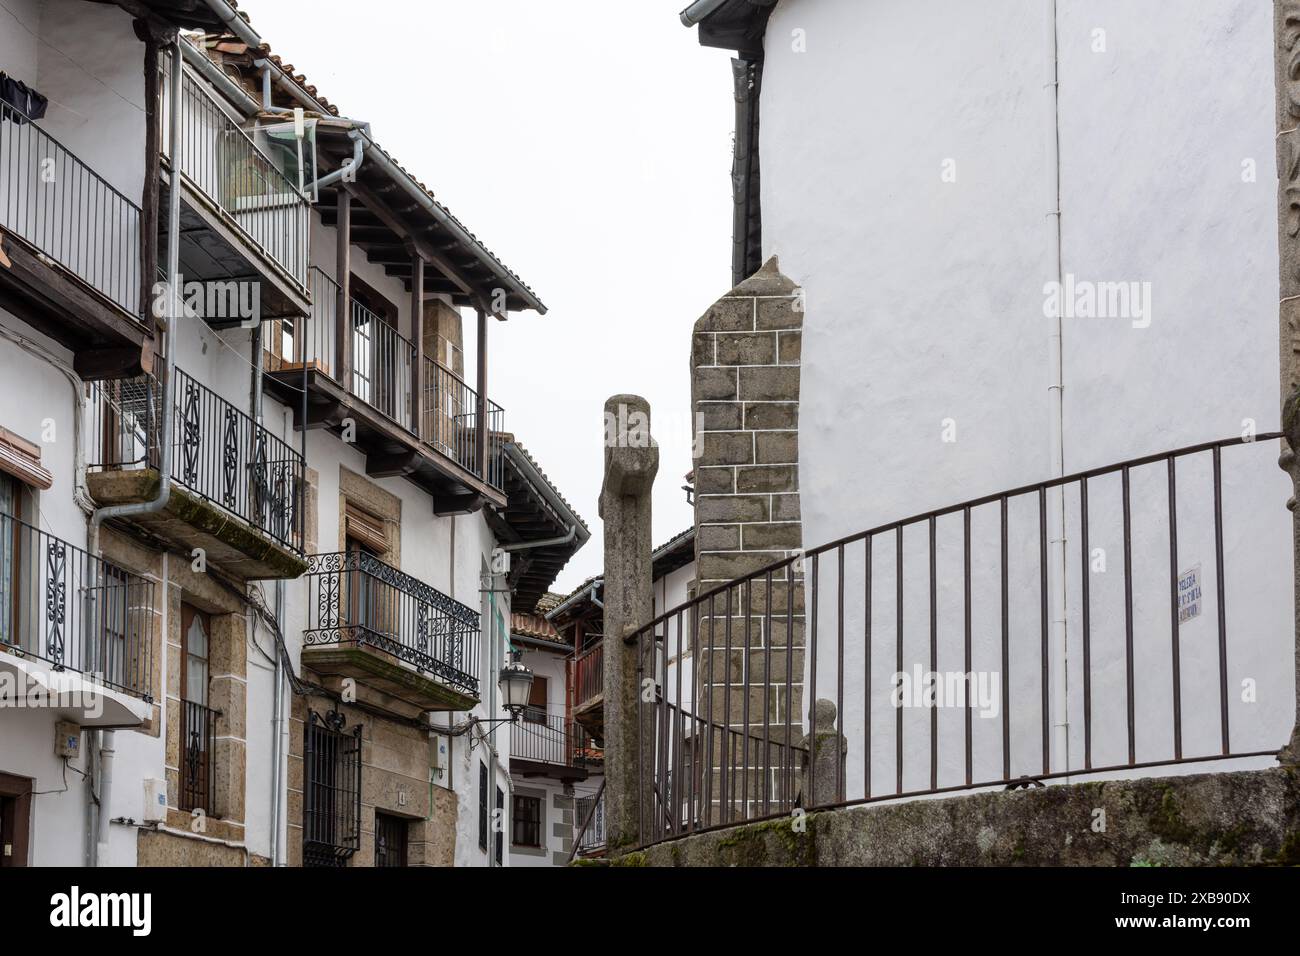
[501,824]
[526,821]
[482,807]
[536,712]
[331,818]
[9,564]
[390,840]
[198,721]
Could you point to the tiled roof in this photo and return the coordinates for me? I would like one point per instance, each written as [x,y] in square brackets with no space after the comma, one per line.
[533,461]
[535,626]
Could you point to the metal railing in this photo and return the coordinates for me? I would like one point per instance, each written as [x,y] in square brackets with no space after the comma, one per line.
[218,452]
[289,344]
[548,739]
[381,376]
[55,202]
[589,675]
[198,779]
[451,411]
[61,604]
[852,622]
[243,184]
[357,599]
[589,834]
[382,362]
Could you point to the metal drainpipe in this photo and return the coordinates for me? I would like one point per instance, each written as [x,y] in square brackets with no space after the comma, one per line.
[1056,498]
[277,722]
[106,740]
[544,543]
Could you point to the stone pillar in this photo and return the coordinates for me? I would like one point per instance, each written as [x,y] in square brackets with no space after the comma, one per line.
[631,462]
[745,392]
[1287,61]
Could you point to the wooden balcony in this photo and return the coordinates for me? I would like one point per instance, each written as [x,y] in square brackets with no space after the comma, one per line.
[69,252]
[432,442]
[242,220]
[589,689]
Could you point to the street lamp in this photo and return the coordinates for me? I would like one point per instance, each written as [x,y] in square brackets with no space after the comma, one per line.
[516,684]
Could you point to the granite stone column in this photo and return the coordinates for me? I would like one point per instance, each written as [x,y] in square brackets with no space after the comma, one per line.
[1287,60]
[631,462]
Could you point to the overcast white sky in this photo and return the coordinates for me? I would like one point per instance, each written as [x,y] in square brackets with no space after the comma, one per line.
[589,146]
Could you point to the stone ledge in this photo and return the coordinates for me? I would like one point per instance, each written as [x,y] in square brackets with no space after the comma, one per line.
[1237,818]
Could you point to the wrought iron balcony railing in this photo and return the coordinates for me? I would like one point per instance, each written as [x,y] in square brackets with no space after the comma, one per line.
[61,604]
[357,599]
[218,452]
[198,782]
[543,738]
[381,376]
[62,207]
[244,186]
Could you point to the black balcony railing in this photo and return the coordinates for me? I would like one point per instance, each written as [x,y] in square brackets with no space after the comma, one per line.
[938,633]
[243,185]
[59,205]
[382,361]
[451,410]
[357,599]
[198,780]
[381,376]
[543,738]
[218,452]
[63,605]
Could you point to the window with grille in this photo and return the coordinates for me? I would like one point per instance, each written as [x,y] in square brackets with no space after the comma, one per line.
[331,816]
[526,821]
[198,721]
[501,825]
[482,807]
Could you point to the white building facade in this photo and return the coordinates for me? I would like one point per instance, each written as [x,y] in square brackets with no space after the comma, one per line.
[1031,240]
[291,658]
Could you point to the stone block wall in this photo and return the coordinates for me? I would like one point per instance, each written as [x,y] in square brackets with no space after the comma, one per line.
[745,367]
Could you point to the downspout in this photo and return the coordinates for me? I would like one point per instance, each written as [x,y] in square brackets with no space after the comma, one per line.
[349,169]
[1056,498]
[106,740]
[277,723]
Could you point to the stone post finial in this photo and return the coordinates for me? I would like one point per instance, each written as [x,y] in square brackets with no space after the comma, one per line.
[821,777]
[631,462]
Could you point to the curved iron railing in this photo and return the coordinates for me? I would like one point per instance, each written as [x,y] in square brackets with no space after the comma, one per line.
[358,599]
[733,722]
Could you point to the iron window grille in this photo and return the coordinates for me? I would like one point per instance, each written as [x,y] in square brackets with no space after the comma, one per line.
[331,830]
[482,807]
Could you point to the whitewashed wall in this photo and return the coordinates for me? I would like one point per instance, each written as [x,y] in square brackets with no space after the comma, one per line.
[925,302]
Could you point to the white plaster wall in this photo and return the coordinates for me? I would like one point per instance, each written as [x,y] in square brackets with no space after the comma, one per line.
[925,303]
